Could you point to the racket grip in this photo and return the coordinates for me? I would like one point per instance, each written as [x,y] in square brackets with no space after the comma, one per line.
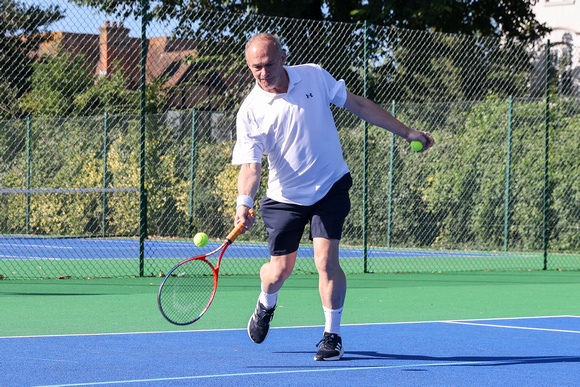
[237,230]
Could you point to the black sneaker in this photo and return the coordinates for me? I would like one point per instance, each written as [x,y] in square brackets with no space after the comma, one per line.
[259,323]
[330,347]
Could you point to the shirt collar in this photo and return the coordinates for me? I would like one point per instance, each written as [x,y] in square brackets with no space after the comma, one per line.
[293,79]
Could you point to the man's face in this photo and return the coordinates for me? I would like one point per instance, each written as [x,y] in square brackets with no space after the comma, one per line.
[266,65]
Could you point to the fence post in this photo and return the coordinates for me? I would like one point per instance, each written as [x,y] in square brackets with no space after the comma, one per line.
[365,153]
[507,177]
[392,158]
[546,157]
[191,172]
[105,143]
[142,116]
[28,175]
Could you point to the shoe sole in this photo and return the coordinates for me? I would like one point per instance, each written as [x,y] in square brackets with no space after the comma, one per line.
[333,358]
[257,342]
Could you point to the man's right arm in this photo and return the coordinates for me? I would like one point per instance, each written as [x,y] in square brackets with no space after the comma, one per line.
[248,184]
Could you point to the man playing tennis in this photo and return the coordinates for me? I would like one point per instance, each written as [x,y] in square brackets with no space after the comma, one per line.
[287,116]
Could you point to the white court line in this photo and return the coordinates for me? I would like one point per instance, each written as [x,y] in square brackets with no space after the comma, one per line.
[193,377]
[44,246]
[19,257]
[308,371]
[291,327]
[509,327]
[516,318]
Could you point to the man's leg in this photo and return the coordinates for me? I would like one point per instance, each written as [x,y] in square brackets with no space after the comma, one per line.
[274,273]
[331,278]
[272,276]
[332,288]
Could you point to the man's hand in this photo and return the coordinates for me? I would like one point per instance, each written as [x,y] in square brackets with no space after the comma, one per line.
[424,137]
[243,215]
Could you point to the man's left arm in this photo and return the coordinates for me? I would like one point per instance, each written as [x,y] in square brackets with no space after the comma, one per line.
[376,115]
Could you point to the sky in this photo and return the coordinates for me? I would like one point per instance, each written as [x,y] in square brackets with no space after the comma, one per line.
[88,20]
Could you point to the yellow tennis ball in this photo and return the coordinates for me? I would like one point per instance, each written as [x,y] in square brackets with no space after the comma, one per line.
[416,145]
[200,239]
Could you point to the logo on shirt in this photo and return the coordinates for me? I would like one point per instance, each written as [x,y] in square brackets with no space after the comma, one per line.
[309,95]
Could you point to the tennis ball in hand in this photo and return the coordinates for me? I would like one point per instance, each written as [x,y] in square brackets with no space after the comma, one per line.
[416,145]
[200,239]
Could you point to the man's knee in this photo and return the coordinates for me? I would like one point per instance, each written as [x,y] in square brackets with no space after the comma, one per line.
[328,265]
[279,268]
[326,255]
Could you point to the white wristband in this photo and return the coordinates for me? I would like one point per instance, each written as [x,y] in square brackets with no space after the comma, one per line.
[245,200]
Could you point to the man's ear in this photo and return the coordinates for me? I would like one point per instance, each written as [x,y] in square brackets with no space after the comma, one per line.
[283,56]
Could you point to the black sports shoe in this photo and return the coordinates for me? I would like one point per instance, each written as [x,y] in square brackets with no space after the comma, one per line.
[330,347]
[259,323]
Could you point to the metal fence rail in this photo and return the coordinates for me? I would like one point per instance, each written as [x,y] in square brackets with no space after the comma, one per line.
[111,137]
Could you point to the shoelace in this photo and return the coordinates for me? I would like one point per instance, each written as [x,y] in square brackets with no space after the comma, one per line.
[265,316]
[326,341]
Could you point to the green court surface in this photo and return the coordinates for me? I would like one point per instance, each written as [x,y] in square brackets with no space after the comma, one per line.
[55,307]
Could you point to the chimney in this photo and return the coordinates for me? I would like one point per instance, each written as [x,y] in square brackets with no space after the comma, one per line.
[113,46]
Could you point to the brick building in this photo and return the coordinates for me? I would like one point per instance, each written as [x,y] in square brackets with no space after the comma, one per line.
[189,84]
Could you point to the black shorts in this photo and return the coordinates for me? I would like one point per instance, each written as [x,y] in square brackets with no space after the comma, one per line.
[285,223]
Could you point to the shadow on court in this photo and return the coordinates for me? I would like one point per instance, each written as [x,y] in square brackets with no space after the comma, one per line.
[488,361]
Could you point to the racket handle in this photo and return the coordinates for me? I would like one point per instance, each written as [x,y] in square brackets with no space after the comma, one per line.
[237,230]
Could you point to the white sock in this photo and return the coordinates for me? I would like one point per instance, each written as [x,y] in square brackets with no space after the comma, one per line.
[332,320]
[268,300]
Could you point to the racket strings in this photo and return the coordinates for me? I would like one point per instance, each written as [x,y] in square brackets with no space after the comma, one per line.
[187,292]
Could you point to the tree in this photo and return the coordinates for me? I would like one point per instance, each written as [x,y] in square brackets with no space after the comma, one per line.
[424,65]
[63,85]
[56,82]
[20,33]
[109,94]
[506,18]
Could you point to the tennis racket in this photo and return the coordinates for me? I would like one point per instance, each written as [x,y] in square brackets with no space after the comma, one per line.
[189,288]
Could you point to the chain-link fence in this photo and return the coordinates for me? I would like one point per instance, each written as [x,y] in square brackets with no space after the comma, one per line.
[116,148]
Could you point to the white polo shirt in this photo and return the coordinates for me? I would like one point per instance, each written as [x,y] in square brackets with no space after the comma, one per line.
[296,130]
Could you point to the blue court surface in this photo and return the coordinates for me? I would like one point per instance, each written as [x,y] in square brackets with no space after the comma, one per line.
[539,351]
[32,248]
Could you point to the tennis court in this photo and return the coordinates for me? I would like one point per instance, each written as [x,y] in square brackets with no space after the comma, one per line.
[477,278]
[49,257]
[63,248]
[451,329]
